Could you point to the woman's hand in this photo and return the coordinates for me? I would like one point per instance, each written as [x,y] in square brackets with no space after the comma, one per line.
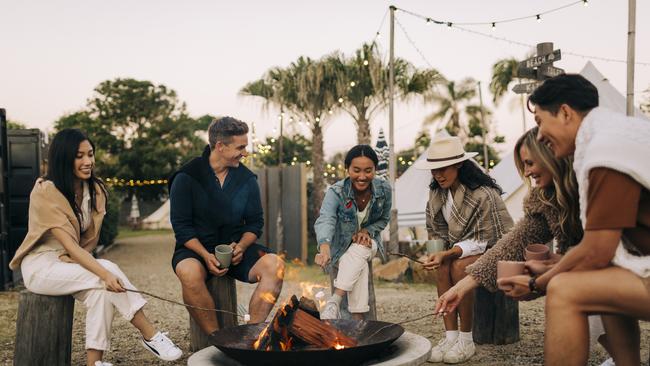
[434,261]
[362,237]
[517,287]
[323,258]
[113,283]
[448,302]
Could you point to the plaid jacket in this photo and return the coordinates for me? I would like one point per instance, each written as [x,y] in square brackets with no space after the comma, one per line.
[478,214]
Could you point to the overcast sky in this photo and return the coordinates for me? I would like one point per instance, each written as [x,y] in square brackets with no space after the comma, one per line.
[53,53]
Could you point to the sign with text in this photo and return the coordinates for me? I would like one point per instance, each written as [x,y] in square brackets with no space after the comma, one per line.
[537,61]
[526,88]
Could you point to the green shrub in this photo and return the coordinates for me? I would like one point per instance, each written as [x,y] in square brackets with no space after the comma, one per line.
[110,227]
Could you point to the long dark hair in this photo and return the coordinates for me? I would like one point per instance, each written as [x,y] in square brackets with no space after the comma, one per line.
[361,150]
[472,177]
[60,169]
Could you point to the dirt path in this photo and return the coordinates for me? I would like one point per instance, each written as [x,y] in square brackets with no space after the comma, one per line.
[146,261]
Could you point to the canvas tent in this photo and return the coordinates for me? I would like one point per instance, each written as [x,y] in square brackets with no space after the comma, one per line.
[159,219]
[412,191]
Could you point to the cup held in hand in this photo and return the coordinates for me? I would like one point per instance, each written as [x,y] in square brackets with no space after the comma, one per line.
[435,245]
[223,253]
[508,269]
[536,252]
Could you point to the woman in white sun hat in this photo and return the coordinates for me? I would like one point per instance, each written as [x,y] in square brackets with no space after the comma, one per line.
[466,212]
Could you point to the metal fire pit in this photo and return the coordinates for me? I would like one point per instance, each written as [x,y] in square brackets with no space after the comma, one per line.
[373,337]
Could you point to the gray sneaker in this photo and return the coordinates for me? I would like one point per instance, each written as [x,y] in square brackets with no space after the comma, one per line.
[330,311]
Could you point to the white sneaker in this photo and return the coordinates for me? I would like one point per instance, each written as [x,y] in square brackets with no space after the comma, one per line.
[330,311]
[460,352]
[438,352]
[162,347]
[101,363]
[608,362]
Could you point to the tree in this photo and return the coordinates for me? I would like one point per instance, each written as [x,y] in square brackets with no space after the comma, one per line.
[15,125]
[363,82]
[307,89]
[504,72]
[141,131]
[453,106]
[295,149]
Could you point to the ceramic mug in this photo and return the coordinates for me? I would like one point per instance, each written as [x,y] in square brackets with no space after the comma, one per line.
[223,253]
[508,269]
[435,245]
[536,252]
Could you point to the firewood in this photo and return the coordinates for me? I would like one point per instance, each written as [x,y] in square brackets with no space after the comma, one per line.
[317,332]
[309,306]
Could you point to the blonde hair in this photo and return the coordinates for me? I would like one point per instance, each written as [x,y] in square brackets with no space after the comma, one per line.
[562,195]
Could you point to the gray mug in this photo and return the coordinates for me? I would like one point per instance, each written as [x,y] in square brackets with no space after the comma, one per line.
[435,245]
[223,253]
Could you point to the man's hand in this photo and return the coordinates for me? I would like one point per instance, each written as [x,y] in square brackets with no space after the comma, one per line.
[237,254]
[213,265]
[323,258]
[362,237]
[434,261]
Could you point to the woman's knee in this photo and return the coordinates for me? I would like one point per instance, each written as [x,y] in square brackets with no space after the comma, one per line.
[109,265]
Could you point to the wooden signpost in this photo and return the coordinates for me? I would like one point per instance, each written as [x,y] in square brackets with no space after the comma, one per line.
[538,68]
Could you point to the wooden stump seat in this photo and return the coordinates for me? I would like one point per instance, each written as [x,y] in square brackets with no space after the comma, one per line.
[224,293]
[43,330]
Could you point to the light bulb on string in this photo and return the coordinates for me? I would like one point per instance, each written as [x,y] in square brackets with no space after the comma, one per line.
[449,24]
[585,3]
[352,83]
[429,21]
[378,36]
[494,26]
[365,62]
[340,100]
[539,18]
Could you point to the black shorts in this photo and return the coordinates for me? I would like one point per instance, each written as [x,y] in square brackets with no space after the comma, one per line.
[238,272]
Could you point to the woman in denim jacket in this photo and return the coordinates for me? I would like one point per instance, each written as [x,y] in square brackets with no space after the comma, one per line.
[353,214]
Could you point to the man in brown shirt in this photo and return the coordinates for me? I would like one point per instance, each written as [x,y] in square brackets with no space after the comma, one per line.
[610,160]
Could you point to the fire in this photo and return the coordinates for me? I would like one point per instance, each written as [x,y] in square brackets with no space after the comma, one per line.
[256,344]
[338,346]
[315,291]
[268,297]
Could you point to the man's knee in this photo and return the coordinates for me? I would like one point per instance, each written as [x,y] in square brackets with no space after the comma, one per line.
[191,274]
[271,266]
[560,291]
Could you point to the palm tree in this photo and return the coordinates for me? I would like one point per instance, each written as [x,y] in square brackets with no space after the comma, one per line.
[307,89]
[453,106]
[504,72]
[362,82]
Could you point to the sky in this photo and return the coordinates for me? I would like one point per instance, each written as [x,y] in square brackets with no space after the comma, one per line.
[54,53]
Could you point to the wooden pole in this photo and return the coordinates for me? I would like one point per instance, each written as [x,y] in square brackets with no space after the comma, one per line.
[484,129]
[631,32]
[392,161]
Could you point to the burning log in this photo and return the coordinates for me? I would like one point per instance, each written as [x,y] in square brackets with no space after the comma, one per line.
[300,319]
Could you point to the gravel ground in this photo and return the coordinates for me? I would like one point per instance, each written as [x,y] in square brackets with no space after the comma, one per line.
[146,260]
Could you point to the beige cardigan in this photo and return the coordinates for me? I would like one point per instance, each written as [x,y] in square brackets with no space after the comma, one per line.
[48,209]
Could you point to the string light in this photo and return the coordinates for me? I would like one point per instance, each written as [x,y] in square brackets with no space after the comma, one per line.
[365,62]
[586,3]
[340,100]
[494,26]
[121,182]
[539,19]
[352,83]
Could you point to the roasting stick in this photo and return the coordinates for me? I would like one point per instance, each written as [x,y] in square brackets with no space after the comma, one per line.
[183,304]
[406,256]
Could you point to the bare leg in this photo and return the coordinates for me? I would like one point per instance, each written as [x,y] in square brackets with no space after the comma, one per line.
[358,316]
[573,295]
[93,355]
[444,283]
[338,291]
[270,271]
[192,275]
[466,306]
[623,340]
[143,324]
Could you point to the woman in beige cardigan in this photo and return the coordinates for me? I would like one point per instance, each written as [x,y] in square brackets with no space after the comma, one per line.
[466,212]
[66,210]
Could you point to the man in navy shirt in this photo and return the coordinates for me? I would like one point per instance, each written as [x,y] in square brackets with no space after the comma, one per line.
[216,200]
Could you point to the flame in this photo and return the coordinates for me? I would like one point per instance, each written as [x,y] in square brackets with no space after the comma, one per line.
[256,344]
[313,291]
[268,297]
[338,346]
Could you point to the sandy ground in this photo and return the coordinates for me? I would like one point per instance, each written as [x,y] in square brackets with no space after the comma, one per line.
[146,261]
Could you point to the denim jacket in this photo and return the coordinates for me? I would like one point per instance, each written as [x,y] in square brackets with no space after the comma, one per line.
[338,216]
